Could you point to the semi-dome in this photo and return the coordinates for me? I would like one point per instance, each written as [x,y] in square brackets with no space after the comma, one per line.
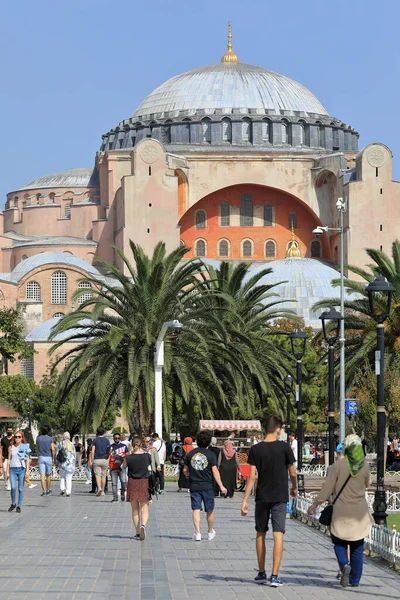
[51,258]
[229,86]
[82,177]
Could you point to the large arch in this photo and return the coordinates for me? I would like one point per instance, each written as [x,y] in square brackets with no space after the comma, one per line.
[283,205]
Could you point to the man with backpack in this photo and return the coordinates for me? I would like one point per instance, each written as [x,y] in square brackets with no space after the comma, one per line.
[116,453]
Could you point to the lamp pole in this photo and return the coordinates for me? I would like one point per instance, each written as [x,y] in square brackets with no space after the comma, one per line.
[158,370]
[28,401]
[288,389]
[298,340]
[380,293]
[331,336]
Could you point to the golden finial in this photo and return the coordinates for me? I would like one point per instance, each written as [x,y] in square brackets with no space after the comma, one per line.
[293,250]
[230,56]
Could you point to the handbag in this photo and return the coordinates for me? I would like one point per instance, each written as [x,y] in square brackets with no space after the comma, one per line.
[325,517]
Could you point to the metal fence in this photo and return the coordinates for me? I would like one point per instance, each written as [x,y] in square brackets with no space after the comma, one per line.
[381,541]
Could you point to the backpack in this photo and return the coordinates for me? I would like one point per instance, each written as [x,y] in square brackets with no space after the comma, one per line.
[62,455]
[177,456]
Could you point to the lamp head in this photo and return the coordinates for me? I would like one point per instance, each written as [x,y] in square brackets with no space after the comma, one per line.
[377,290]
[331,315]
[298,339]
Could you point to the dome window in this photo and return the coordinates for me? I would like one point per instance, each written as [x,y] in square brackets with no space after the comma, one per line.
[201,219]
[226,130]
[246,131]
[284,134]
[265,131]
[270,249]
[59,288]
[225,214]
[206,131]
[315,249]
[246,211]
[268,214]
[58,315]
[321,136]
[292,220]
[223,248]
[33,291]
[247,249]
[200,248]
[301,135]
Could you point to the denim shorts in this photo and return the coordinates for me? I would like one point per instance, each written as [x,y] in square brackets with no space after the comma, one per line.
[207,498]
[45,464]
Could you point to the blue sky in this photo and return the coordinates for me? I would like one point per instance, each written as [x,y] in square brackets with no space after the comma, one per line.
[72,69]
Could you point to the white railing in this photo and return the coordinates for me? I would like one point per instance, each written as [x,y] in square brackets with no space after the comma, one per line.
[79,474]
[381,541]
[171,470]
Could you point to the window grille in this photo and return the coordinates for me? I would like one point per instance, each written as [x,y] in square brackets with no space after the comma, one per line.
[85,285]
[284,133]
[67,210]
[226,130]
[33,291]
[27,368]
[201,219]
[206,131]
[270,249]
[302,136]
[247,248]
[58,315]
[246,130]
[315,249]
[225,214]
[268,214]
[246,211]
[292,220]
[265,131]
[200,248]
[58,288]
[223,249]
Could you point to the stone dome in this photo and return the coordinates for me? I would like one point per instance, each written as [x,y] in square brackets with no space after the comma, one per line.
[82,177]
[229,86]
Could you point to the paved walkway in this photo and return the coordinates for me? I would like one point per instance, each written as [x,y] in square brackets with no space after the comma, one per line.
[82,548]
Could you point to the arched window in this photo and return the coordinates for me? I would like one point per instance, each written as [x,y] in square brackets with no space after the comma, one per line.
[85,285]
[223,248]
[186,125]
[225,214]
[67,210]
[292,220]
[301,134]
[246,130]
[58,315]
[284,128]
[247,248]
[315,249]
[268,215]
[321,136]
[246,211]
[206,130]
[200,219]
[27,368]
[226,130]
[59,288]
[265,131]
[33,291]
[200,248]
[24,257]
[270,249]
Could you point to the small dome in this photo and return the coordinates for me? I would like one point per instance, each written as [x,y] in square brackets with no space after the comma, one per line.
[51,258]
[42,332]
[82,177]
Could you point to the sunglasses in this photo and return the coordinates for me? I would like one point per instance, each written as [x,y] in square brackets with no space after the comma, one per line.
[117,438]
[18,436]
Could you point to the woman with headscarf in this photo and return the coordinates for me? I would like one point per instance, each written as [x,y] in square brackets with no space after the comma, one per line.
[183,482]
[228,464]
[351,519]
[66,457]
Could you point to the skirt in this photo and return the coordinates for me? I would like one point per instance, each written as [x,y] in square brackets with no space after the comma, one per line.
[138,489]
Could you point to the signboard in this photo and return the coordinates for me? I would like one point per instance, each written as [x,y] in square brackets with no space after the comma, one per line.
[351,407]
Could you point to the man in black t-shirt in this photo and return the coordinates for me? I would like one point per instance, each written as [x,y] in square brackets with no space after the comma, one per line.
[271,461]
[201,468]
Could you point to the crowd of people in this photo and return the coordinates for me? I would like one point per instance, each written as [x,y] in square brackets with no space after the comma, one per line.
[136,468]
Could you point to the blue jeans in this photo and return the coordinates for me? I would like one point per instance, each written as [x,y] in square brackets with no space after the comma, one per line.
[17,474]
[88,471]
[356,557]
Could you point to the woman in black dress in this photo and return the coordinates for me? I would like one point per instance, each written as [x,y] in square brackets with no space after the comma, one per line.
[139,470]
[228,464]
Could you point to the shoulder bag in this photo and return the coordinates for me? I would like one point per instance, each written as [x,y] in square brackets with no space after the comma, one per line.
[325,517]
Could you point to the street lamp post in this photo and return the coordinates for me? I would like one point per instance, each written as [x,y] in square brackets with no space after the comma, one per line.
[298,340]
[158,369]
[341,207]
[380,293]
[288,389]
[28,402]
[331,336]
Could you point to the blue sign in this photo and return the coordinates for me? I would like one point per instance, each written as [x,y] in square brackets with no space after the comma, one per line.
[351,407]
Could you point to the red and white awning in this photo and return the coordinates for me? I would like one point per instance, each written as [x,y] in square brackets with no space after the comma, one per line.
[231,425]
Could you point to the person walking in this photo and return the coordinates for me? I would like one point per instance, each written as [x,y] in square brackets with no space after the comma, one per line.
[17,466]
[271,461]
[293,445]
[79,448]
[159,445]
[99,460]
[214,448]
[228,464]
[66,459]
[201,467]
[348,481]
[5,444]
[183,481]
[116,453]
[139,470]
[46,451]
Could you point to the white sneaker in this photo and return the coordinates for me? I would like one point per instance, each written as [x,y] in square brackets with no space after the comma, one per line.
[88,482]
[196,537]
[8,488]
[32,485]
[212,535]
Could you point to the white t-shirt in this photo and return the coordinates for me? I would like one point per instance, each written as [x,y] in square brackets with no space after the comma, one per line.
[160,447]
[293,446]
